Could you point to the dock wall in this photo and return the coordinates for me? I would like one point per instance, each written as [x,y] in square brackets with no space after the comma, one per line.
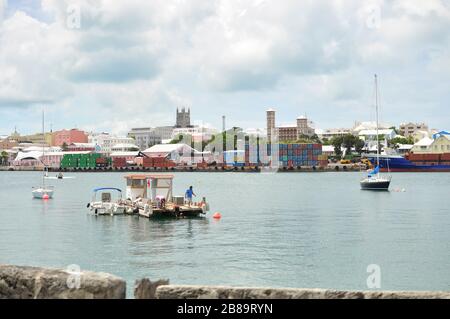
[23,282]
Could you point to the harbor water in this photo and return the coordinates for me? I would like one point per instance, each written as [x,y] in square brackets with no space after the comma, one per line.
[315,230]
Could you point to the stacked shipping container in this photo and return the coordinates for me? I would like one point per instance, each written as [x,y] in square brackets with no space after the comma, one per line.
[158,162]
[91,160]
[289,155]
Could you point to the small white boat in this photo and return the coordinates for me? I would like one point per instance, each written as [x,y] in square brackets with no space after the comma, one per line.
[106,206]
[44,192]
[57,177]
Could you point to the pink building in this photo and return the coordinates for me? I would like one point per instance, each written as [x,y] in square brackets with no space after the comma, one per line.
[69,137]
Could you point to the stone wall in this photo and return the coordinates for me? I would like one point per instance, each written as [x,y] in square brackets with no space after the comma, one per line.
[21,282]
[202,292]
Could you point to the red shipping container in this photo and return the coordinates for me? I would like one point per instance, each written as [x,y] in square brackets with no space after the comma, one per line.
[119,162]
[431,157]
[415,157]
[101,160]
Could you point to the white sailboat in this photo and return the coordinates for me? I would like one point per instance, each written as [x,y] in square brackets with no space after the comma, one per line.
[43,191]
[374,180]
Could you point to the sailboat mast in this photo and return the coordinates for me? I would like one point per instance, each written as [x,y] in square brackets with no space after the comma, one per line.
[43,150]
[376,107]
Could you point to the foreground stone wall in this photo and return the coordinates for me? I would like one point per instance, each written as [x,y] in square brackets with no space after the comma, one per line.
[202,292]
[21,282]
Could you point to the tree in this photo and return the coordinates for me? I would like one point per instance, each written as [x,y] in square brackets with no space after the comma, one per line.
[177,139]
[395,129]
[359,145]
[64,147]
[348,141]
[337,143]
[400,140]
[4,158]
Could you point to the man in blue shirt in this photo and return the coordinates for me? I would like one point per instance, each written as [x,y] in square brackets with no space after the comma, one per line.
[189,194]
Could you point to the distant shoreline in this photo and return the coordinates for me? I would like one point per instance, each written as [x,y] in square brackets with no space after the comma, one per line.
[251,169]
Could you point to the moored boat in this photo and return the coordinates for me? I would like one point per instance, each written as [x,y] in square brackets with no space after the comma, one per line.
[106,205]
[413,162]
[374,180]
[151,196]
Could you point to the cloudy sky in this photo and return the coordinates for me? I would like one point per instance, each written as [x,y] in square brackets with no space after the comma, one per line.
[109,65]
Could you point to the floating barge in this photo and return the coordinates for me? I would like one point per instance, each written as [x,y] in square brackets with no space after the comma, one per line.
[151,196]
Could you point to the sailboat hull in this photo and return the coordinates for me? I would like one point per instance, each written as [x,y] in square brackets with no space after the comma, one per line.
[39,193]
[375,185]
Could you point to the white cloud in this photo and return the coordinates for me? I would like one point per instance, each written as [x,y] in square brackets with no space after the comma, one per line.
[136,61]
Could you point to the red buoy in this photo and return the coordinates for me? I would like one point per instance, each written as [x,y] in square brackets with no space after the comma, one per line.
[45,196]
[217,215]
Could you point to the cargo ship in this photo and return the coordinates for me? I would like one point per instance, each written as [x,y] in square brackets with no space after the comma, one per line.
[428,162]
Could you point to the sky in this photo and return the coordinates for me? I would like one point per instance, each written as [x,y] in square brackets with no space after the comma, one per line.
[108,65]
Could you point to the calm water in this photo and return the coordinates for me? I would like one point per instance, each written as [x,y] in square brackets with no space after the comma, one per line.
[285,230]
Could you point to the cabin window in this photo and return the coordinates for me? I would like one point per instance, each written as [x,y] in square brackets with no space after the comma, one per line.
[137,183]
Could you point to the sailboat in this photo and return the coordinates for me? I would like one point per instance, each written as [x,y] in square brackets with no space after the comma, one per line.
[43,191]
[374,180]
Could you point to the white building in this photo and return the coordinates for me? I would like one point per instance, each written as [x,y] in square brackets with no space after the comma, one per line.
[255,132]
[332,132]
[410,129]
[104,142]
[198,133]
[124,147]
[179,153]
[423,146]
[371,135]
[364,126]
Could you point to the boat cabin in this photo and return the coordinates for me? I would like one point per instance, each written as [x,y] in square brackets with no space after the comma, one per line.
[106,195]
[149,186]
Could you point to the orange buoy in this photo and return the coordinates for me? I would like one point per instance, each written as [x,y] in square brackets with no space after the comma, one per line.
[45,196]
[217,215]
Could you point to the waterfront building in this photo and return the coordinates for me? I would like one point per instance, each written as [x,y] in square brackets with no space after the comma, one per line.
[104,142]
[197,133]
[145,137]
[35,158]
[125,147]
[74,147]
[365,126]
[164,132]
[333,132]
[179,153]
[37,138]
[291,132]
[7,143]
[183,118]
[371,135]
[68,137]
[410,129]
[255,132]
[438,145]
